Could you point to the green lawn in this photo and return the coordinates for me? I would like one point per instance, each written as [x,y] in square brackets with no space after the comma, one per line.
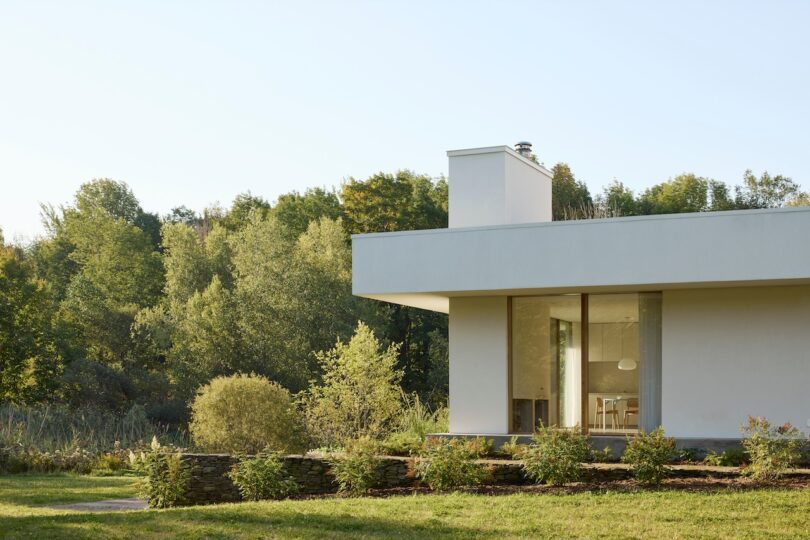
[659,514]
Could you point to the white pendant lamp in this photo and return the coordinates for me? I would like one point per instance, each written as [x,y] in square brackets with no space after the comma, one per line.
[627,364]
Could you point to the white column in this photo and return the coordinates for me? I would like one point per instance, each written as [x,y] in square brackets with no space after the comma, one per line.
[479,370]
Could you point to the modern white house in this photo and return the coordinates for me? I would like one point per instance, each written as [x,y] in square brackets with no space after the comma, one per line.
[688,321]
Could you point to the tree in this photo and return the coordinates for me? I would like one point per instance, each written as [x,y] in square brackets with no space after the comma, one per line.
[185,261]
[283,288]
[720,197]
[296,211]
[206,340]
[766,191]
[569,197]
[619,199]
[182,214]
[684,193]
[244,205]
[801,200]
[29,356]
[119,273]
[359,393]
[404,201]
[385,202]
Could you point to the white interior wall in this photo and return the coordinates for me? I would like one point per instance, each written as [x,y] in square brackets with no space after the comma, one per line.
[479,386]
[730,353]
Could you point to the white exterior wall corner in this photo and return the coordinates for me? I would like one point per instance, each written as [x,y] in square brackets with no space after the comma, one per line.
[479,369]
[734,352]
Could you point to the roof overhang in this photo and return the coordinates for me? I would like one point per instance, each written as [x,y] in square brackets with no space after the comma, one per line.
[718,249]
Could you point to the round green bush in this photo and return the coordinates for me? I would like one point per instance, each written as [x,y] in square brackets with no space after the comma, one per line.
[246,414]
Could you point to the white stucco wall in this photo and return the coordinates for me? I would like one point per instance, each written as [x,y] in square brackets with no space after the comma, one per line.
[730,353]
[479,386]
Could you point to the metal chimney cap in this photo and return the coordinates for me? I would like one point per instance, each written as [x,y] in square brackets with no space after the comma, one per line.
[524,148]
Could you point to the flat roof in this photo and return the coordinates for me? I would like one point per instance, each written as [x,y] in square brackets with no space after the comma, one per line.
[733,248]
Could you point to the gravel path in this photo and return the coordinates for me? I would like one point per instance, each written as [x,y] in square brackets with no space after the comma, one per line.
[110,505]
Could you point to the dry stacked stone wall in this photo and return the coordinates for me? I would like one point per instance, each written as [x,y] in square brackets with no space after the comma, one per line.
[210,484]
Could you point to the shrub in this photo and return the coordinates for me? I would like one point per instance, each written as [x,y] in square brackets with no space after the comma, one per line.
[246,414]
[166,479]
[109,464]
[733,457]
[772,449]
[555,455]
[403,444]
[262,477]
[356,469]
[359,394]
[687,455]
[513,449]
[648,455]
[480,447]
[605,455]
[449,464]
[416,421]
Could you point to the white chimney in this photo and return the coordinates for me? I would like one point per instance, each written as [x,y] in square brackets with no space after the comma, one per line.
[497,186]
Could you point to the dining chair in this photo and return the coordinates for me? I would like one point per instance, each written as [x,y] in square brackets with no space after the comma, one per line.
[602,413]
[631,409]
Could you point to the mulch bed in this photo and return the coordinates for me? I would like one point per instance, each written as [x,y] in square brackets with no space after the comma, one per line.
[696,484]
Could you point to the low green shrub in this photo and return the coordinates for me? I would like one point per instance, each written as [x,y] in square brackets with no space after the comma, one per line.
[688,455]
[415,422]
[772,450]
[246,414]
[262,477]
[110,464]
[402,443]
[648,455]
[355,469]
[166,477]
[450,463]
[555,455]
[605,455]
[480,447]
[733,457]
[513,449]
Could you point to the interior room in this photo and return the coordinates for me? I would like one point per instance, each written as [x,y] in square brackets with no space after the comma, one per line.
[546,374]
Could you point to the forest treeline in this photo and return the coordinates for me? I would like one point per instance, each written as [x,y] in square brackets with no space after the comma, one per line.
[115,306]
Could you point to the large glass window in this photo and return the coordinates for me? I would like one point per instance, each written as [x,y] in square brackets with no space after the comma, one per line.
[546,362]
[611,386]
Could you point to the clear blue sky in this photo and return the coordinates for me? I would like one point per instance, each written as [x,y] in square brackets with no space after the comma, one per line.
[193,102]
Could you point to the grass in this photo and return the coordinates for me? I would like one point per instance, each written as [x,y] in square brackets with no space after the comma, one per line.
[766,513]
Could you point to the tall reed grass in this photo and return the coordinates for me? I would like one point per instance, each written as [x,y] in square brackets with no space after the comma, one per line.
[49,428]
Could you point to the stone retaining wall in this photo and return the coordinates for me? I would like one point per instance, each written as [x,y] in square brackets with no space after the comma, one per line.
[210,484]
